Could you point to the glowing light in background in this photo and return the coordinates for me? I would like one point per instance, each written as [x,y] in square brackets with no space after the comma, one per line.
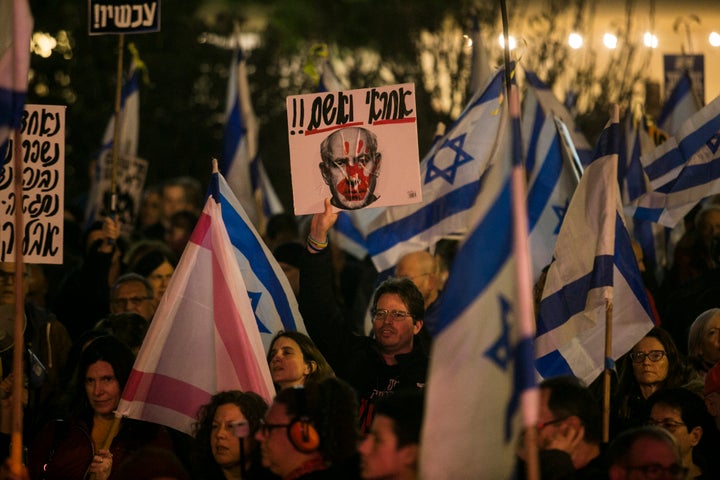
[714,39]
[650,40]
[511,41]
[42,44]
[610,40]
[575,40]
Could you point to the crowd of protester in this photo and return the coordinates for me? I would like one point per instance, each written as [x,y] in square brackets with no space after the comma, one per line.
[348,404]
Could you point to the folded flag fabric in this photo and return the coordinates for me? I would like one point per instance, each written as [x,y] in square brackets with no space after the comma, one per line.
[478,342]
[452,174]
[240,163]
[593,268]
[683,170]
[554,169]
[204,336]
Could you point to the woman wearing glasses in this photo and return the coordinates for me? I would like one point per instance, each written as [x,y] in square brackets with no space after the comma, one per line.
[224,437]
[653,363]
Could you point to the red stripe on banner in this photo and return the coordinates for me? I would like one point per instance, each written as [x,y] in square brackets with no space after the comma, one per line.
[395,120]
[232,332]
[334,127]
[199,235]
[166,392]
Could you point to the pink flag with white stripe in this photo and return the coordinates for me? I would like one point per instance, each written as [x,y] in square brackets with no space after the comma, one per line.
[203,338]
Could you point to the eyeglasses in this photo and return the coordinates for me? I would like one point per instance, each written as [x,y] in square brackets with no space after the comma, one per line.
[132,301]
[266,428]
[655,471]
[666,424]
[541,425]
[653,355]
[394,315]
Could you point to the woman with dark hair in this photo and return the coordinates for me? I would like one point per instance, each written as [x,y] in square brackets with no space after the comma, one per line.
[157,266]
[224,433]
[74,446]
[294,360]
[312,432]
[652,364]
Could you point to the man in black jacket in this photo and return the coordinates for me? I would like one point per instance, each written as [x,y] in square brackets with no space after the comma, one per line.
[376,367]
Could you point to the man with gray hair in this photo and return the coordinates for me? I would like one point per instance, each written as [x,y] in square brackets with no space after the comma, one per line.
[133,293]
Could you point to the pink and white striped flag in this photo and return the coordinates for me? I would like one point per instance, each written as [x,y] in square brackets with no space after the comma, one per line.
[204,337]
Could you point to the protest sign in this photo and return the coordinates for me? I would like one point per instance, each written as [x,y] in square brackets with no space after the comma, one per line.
[42,132]
[131,175]
[123,16]
[358,147]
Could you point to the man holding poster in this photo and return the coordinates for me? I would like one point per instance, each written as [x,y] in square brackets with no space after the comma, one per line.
[350,167]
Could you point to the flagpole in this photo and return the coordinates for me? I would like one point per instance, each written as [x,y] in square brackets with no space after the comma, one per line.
[116,134]
[521,247]
[16,446]
[107,441]
[606,372]
[18,330]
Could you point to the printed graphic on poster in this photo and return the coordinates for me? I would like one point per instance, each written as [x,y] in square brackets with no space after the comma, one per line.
[676,65]
[42,143]
[131,175]
[358,147]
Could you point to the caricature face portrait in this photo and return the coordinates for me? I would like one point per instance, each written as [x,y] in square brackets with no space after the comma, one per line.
[350,166]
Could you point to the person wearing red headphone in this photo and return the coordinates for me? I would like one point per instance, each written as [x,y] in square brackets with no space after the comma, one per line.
[310,433]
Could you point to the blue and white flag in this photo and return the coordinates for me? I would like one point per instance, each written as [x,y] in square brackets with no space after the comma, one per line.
[16,25]
[452,174]
[128,138]
[635,140]
[481,365]
[679,106]
[695,153]
[594,267]
[553,169]
[270,293]
[240,162]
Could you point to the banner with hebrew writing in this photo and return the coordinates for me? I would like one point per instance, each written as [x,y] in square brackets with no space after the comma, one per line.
[107,17]
[358,147]
[42,142]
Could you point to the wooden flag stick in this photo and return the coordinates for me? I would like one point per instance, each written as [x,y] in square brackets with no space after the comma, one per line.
[116,130]
[107,442]
[16,449]
[607,371]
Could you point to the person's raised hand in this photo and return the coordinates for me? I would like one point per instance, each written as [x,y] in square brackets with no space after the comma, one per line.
[319,227]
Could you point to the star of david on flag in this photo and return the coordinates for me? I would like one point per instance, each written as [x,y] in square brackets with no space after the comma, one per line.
[452,172]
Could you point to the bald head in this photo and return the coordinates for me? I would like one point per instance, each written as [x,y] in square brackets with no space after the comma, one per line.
[421,268]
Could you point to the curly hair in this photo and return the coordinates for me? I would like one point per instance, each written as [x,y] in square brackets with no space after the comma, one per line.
[252,406]
[310,353]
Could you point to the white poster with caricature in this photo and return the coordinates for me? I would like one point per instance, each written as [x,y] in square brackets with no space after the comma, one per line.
[358,147]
